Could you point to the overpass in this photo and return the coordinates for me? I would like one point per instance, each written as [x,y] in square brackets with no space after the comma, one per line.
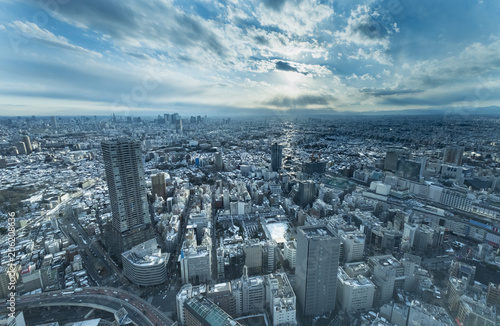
[101,298]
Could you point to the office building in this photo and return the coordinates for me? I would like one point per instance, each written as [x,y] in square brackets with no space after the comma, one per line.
[280,299]
[307,192]
[131,222]
[218,161]
[354,293]
[53,122]
[475,313]
[21,148]
[276,156]
[391,159]
[453,155]
[291,253]
[493,296]
[195,261]
[145,264]
[27,144]
[249,293]
[387,274]
[159,185]
[318,251]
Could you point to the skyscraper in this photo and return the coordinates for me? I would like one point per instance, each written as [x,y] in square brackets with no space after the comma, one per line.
[276,156]
[307,191]
[453,155]
[131,223]
[27,143]
[318,251]
[159,185]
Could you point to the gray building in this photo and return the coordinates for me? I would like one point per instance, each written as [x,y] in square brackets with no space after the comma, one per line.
[307,192]
[131,222]
[276,156]
[318,251]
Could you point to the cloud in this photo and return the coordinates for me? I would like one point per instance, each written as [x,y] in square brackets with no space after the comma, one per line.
[276,5]
[364,28]
[285,66]
[299,18]
[142,23]
[302,101]
[389,92]
[31,31]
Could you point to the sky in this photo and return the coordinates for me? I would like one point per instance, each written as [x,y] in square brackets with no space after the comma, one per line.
[149,57]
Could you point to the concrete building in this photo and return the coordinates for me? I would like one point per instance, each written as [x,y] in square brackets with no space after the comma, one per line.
[318,253]
[429,315]
[475,313]
[195,261]
[276,157]
[493,296]
[5,277]
[131,222]
[388,274]
[354,293]
[291,253]
[280,300]
[145,264]
[249,293]
[222,295]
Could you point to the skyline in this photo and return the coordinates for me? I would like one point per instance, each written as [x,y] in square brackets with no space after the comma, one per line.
[69,57]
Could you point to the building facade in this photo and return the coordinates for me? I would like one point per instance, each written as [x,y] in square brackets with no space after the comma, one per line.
[318,251]
[131,222]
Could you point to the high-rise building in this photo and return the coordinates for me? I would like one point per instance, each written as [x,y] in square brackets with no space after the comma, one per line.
[27,143]
[276,156]
[391,159]
[131,222]
[53,121]
[159,185]
[218,161]
[21,148]
[307,191]
[318,251]
[453,155]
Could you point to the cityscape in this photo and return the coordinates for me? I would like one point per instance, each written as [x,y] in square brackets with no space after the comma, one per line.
[249,163]
[388,220]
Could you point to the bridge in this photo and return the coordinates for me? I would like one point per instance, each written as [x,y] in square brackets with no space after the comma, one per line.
[107,299]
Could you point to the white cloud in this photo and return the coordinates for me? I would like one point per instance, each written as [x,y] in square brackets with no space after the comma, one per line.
[31,31]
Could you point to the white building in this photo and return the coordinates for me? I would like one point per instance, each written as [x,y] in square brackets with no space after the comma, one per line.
[291,253]
[354,293]
[280,299]
[145,265]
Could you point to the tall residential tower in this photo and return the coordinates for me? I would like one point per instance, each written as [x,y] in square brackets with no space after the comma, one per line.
[131,223]
[276,156]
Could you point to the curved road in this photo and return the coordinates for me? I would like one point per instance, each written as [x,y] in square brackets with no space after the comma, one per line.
[109,299]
